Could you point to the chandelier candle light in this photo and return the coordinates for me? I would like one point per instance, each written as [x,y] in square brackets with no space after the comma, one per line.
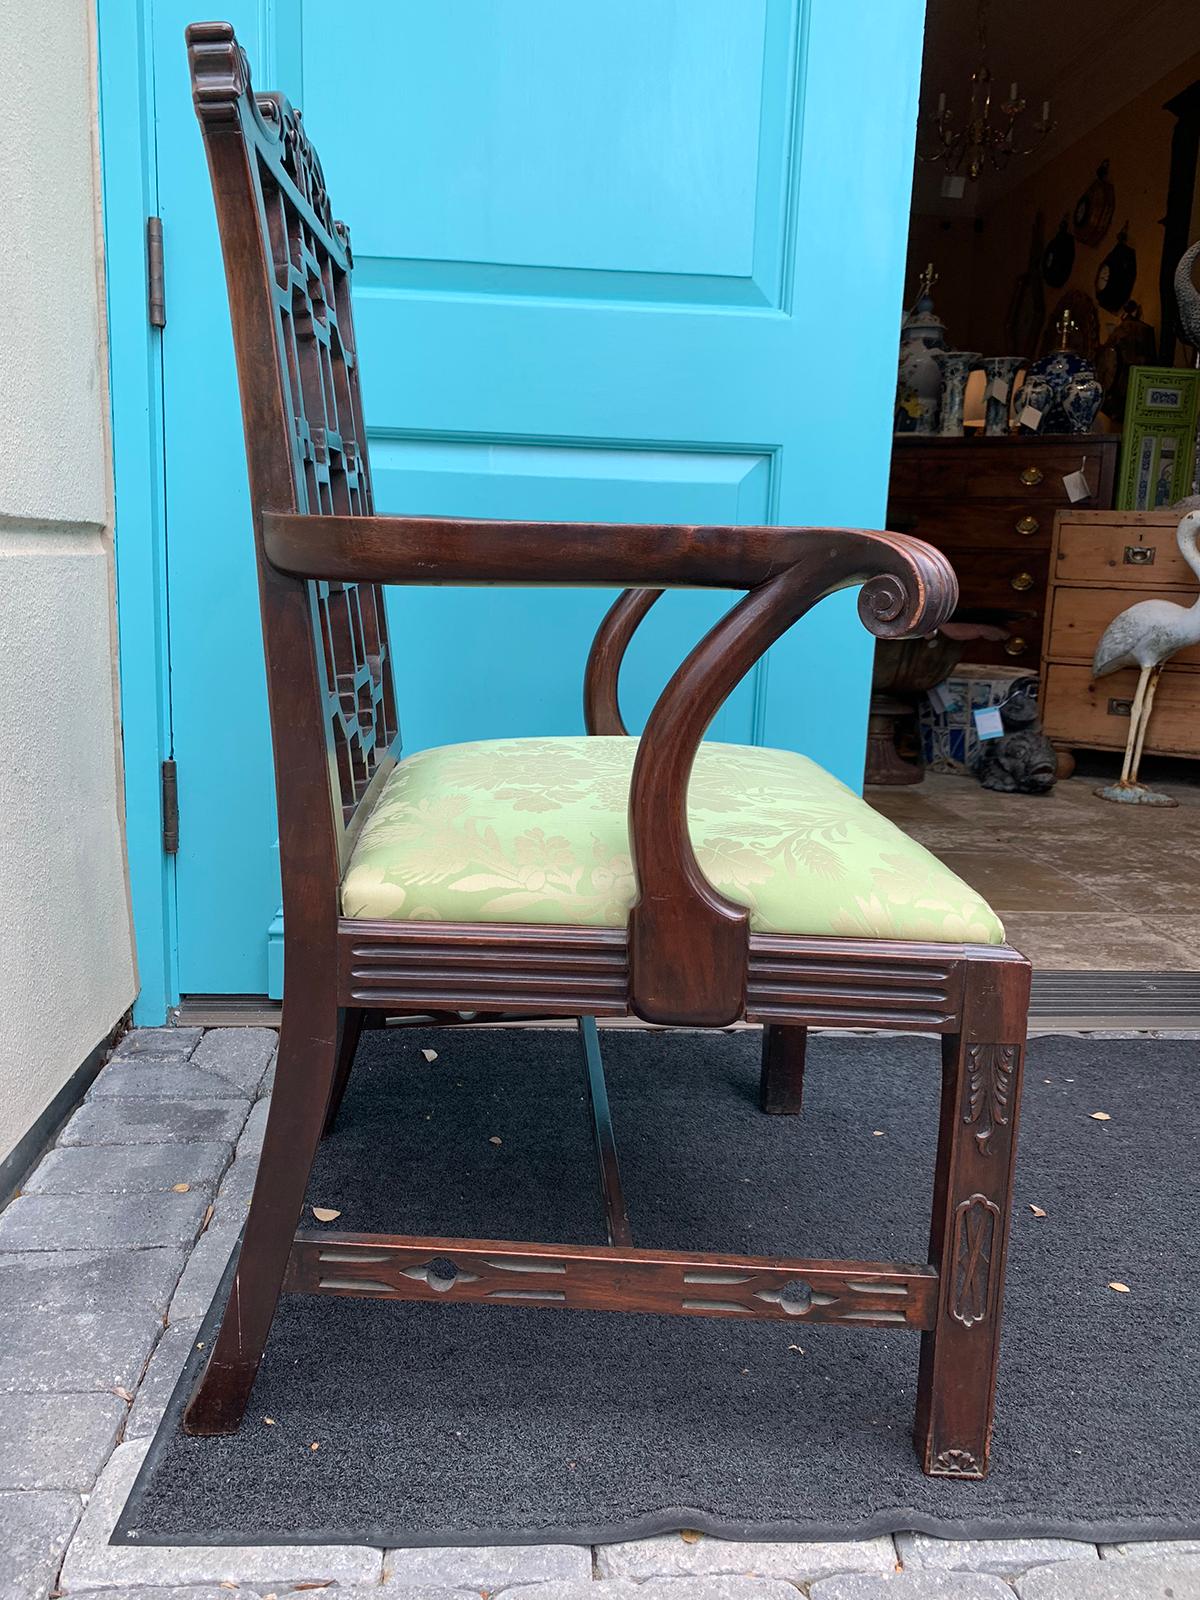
[982,141]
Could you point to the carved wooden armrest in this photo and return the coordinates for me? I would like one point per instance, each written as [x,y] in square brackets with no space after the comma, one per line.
[688,943]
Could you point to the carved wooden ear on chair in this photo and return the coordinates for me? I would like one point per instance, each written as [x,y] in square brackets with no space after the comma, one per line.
[690,953]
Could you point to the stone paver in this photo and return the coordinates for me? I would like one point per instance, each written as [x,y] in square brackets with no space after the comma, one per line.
[74,1352]
[167,1362]
[202,1274]
[240,1055]
[722,1588]
[486,1566]
[140,1169]
[252,1134]
[102,1222]
[34,1529]
[1169,1578]
[56,1441]
[1002,1556]
[157,1044]
[160,1080]
[124,1280]
[670,1556]
[913,1586]
[150,1121]
[233,1197]
[1144,1548]
[92,1563]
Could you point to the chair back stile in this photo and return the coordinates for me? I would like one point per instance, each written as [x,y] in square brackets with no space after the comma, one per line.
[288,269]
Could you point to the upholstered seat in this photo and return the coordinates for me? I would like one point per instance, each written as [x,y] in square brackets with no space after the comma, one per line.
[536,830]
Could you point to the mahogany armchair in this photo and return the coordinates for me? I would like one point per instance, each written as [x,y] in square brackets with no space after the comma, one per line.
[667,931]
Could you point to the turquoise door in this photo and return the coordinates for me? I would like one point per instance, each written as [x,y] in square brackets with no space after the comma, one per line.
[615,260]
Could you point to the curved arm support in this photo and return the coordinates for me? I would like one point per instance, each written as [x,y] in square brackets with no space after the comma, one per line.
[688,943]
[601,701]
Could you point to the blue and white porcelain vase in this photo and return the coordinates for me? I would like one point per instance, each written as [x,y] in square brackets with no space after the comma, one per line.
[919,382]
[955,366]
[1062,386]
[999,374]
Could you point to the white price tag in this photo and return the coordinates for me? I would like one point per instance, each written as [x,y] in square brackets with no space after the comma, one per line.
[997,389]
[1077,486]
[1030,417]
[988,722]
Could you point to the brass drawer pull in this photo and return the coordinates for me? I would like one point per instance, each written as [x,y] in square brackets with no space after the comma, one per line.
[1031,477]
[1140,555]
[1120,708]
[1027,525]
[1020,581]
[1015,647]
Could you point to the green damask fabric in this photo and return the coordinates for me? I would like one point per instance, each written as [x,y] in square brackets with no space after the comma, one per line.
[535,830]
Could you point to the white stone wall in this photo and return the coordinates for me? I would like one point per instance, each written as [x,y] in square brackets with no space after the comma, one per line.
[66,955]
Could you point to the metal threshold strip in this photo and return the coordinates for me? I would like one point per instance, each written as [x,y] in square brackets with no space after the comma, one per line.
[1072,1000]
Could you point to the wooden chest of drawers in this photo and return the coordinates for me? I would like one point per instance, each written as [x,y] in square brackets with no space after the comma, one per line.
[1101,563]
[990,505]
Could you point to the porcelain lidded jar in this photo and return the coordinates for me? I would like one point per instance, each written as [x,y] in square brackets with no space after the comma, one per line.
[919,383]
[1063,386]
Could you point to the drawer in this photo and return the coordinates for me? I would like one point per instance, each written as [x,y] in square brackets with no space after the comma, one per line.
[1135,556]
[1005,578]
[1020,649]
[1080,616]
[1037,474]
[1076,710]
[982,524]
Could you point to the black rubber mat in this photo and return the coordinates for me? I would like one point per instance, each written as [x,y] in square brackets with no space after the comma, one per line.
[470,1425]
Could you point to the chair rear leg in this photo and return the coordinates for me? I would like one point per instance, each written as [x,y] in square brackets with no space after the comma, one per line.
[352,1019]
[977,1140]
[304,1079]
[781,1085]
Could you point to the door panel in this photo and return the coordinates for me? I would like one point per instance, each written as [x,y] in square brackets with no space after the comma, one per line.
[637,260]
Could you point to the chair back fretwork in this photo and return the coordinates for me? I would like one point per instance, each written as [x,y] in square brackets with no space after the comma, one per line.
[308,415]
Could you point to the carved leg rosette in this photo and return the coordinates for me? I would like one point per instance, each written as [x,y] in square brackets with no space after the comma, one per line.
[981,1084]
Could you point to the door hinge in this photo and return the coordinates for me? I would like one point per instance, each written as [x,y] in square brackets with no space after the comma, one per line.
[170,808]
[156,293]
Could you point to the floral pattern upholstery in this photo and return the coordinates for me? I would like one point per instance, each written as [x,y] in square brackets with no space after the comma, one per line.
[536,830]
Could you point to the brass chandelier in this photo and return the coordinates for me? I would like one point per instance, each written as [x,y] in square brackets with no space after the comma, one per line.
[987,137]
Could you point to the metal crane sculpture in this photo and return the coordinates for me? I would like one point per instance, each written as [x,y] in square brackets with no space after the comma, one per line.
[1187,296]
[1146,636]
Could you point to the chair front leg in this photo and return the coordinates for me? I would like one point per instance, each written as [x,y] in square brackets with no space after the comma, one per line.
[304,1080]
[781,1084]
[977,1140]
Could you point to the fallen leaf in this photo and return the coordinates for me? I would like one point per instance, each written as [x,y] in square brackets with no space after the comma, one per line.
[877,1133]
[690,1536]
[430,1055]
[798,1347]
[1037,1211]
[123,1394]
[314,1583]
[325,1213]
[208,1216]
[180,1188]
[314,1445]
[1101,1116]
[1121,1288]
[226,1583]
[270,1421]
[495,1139]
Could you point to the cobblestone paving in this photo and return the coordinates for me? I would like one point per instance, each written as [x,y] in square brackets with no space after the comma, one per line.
[108,1261]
